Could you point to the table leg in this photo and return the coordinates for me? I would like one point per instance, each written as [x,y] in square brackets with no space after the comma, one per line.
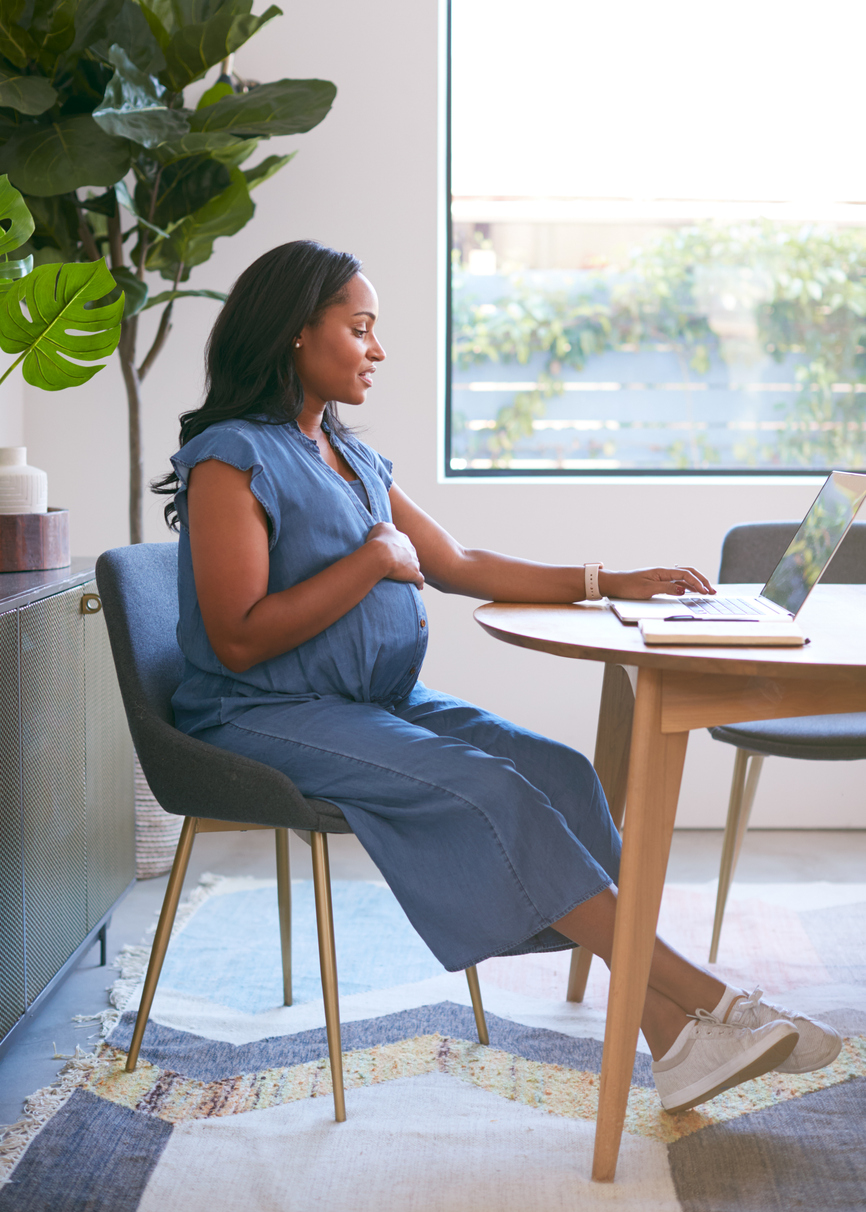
[655,771]
[612,742]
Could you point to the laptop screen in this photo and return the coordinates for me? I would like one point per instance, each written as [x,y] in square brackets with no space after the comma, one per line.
[813,546]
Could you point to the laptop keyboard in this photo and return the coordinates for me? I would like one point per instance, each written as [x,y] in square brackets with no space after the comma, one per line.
[723,606]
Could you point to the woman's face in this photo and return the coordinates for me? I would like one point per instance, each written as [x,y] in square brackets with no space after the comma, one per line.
[337,357]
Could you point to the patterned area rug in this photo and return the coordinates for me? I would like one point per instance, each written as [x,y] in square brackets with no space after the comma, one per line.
[230,1106]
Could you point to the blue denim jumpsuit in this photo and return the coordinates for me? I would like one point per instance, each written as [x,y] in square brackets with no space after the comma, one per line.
[485,832]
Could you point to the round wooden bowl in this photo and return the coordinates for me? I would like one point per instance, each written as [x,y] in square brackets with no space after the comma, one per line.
[32,542]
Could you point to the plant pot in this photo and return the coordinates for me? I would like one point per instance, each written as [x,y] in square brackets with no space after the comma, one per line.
[156,831]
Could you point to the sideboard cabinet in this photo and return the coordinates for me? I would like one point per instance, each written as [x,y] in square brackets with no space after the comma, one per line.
[67,824]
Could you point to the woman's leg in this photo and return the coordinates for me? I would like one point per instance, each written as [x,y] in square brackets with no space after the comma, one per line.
[677,988]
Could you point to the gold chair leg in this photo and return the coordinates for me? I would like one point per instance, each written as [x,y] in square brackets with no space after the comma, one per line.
[284,899]
[328,963]
[578,974]
[163,934]
[744,784]
[477,1005]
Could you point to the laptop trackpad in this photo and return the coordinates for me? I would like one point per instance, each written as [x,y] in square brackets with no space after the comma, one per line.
[631,611]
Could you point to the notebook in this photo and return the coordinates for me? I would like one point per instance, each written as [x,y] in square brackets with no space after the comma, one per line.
[793,579]
[765,634]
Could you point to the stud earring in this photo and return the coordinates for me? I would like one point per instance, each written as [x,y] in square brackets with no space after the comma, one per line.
[297,344]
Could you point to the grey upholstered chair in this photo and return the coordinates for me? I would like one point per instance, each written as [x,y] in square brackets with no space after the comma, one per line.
[213,789]
[749,554]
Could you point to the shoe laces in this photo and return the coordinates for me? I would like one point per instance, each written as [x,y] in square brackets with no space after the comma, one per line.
[709,1022]
[755,1000]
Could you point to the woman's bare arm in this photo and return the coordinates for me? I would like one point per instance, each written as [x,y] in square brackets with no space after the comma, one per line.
[229,540]
[486,574]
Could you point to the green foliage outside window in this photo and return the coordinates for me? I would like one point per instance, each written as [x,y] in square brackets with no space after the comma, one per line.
[742,291]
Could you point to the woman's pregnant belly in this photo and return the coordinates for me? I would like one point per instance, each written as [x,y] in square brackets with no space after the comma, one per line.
[371,654]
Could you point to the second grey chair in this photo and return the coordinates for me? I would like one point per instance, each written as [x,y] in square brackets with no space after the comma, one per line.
[749,554]
[213,789]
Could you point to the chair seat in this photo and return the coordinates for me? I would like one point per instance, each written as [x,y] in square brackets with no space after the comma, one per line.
[825,738]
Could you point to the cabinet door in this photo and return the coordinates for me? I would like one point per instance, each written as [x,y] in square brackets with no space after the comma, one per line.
[53,794]
[12,1003]
[108,774]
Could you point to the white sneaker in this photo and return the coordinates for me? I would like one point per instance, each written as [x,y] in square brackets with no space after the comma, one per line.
[819,1044]
[709,1056]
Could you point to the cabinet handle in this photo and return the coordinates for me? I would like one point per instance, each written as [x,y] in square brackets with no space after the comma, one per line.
[91,603]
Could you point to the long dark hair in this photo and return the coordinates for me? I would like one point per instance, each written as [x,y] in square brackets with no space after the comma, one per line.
[249,358]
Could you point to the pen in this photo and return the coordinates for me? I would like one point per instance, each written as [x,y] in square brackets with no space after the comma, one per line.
[692,618]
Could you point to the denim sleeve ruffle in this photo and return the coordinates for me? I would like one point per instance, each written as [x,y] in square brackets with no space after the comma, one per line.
[238,448]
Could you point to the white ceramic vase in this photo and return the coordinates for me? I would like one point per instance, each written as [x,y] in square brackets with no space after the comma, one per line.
[23,489]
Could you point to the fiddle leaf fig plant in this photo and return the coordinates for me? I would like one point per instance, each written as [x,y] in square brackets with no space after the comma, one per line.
[115,167]
[52,313]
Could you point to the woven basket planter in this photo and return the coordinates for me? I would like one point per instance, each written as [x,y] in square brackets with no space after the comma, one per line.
[156,831]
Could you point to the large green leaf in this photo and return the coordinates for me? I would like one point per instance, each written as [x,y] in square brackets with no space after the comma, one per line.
[286,107]
[131,289]
[55,298]
[191,241]
[198,144]
[261,172]
[193,49]
[13,210]
[26,94]
[130,30]
[184,187]
[123,196]
[15,42]
[168,296]
[93,19]
[132,107]
[59,157]
[52,26]
[56,235]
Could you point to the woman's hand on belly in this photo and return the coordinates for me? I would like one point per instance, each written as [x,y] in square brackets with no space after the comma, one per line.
[245,624]
[404,560]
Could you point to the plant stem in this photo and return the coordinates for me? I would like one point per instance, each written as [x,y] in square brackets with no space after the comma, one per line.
[162,332]
[87,238]
[126,350]
[158,341]
[17,362]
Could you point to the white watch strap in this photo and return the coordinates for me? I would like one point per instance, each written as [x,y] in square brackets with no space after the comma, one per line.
[591,582]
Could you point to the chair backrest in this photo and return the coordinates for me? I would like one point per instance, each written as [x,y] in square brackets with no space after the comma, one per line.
[751,551]
[138,587]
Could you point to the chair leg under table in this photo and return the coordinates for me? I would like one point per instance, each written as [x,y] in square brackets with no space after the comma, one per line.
[163,934]
[478,1008]
[328,963]
[744,784]
[284,900]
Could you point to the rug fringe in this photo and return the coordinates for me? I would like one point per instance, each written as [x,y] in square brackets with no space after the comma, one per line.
[41,1106]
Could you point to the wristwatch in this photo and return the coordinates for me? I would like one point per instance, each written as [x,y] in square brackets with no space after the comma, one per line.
[591,582]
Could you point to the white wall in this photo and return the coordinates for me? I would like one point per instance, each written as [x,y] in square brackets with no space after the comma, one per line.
[367,180]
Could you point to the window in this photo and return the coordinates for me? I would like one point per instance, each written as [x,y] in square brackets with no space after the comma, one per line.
[658,222]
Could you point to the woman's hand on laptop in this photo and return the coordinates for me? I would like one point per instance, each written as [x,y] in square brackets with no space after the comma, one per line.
[642,583]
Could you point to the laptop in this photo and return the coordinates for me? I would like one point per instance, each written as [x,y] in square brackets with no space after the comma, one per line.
[794,577]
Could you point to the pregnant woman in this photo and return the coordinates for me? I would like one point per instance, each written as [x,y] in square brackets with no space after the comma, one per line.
[303,627]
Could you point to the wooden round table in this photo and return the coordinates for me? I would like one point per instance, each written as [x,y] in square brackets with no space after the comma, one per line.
[651,699]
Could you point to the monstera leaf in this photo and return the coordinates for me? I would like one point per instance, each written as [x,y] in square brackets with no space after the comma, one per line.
[58,325]
[13,210]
